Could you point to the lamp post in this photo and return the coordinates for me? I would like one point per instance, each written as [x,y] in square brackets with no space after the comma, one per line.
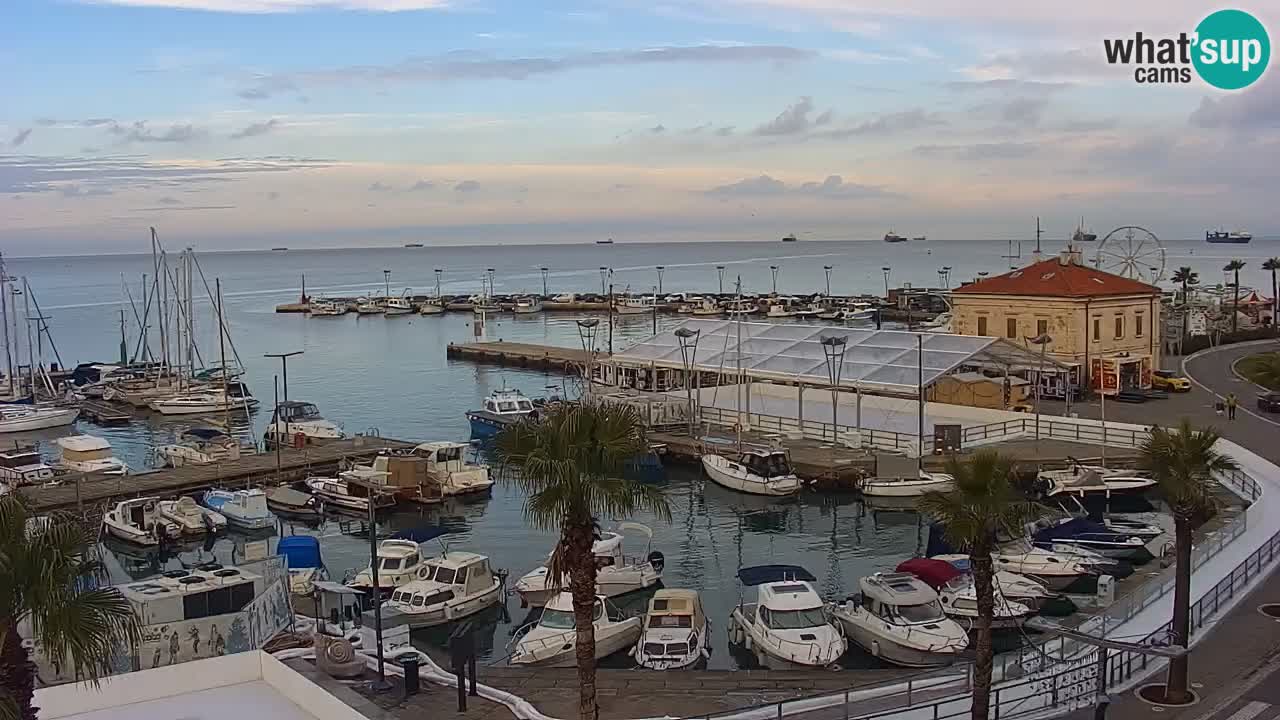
[688,353]
[833,347]
[492,289]
[439,272]
[1043,341]
[774,269]
[386,278]
[720,272]
[604,271]
[827,269]
[587,329]
[381,683]
[544,282]
[886,270]
[284,367]
[660,268]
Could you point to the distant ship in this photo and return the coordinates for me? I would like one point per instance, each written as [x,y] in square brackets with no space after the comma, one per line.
[919,238]
[1080,235]
[279,249]
[892,236]
[605,242]
[789,238]
[1237,237]
[413,245]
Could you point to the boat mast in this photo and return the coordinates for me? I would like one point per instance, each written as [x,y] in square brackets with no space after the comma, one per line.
[191,317]
[920,394]
[31,363]
[4,320]
[737,395]
[222,349]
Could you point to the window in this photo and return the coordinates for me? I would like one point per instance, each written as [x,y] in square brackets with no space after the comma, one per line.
[1011,328]
[797,619]
[1042,327]
[982,326]
[444,575]
[1097,328]
[390,564]
[1119,327]
[1137,325]
[462,576]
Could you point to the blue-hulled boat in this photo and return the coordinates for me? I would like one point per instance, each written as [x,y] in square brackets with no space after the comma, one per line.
[302,553]
[502,409]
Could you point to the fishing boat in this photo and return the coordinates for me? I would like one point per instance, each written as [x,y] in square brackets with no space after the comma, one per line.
[447,588]
[199,446]
[341,493]
[782,307]
[616,574]
[306,567]
[955,590]
[741,308]
[527,306]
[398,305]
[447,464]
[788,627]
[369,306]
[551,641]
[294,421]
[23,465]
[190,518]
[907,487]
[789,238]
[138,521]
[756,472]
[431,307]
[919,238]
[893,237]
[243,509]
[899,619]
[25,418]
[320,307]
[89,453]
[399,559]
[677,634]
[635,306]
[608,241]
[502,408]
[706,308]
[292,503]
[234,396]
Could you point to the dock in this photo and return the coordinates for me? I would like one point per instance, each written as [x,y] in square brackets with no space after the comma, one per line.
[101,413]
[78,490]
[514,354]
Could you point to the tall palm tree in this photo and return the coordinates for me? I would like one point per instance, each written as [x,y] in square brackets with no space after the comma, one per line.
[1273,264]
[42,571]
[983,504]
[1186,277]
[1184,461]
[569,464]
[1235,266]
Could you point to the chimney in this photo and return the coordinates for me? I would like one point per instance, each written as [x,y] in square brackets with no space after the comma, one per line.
[1070,256]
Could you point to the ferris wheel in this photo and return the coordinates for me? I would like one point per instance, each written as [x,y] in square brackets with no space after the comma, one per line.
[1132,252]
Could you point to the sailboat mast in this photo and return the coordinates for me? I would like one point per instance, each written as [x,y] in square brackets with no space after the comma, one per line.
[31,362]
[4,320]
[191,316]
[737,395]
[920,394]
[222,350]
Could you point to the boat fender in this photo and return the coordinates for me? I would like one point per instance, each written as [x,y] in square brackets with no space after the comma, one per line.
[746,639]
[875,648]
[299,441]
[657,560]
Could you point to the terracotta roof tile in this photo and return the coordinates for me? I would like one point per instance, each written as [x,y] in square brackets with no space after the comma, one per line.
[1051,278]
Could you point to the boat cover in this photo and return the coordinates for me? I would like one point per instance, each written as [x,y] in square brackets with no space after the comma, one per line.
[420,534]
[1076,528]
[934,573]
[761,574]
[205,433]
[300,551]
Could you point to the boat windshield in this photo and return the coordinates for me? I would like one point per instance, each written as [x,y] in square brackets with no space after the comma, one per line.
[444,575]
[556,620]
[525,406]
[506,406]
[916,614]
[671,621]
[796,619]
[306,411]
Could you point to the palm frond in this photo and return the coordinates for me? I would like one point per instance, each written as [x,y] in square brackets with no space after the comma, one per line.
[984,503]
[1184,462]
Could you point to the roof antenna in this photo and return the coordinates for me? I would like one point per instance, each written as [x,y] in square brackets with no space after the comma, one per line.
[1039,232]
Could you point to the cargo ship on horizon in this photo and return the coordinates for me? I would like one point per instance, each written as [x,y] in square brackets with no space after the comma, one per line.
[1235,237]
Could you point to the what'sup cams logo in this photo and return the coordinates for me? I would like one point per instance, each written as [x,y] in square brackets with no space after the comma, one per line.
[1228,50]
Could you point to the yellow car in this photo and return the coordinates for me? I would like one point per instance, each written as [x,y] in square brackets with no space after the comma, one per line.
[1169,380]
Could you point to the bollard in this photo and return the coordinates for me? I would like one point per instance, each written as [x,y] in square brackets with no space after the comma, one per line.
[410,665]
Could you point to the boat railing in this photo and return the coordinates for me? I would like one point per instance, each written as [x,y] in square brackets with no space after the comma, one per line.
[807,652]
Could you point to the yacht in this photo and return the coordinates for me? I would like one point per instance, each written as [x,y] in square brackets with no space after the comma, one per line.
[898,618]
[398,305]
[677,634]
[343,493]
[190,518]
[959,599]
[292,419]
[501,409]
[23,465]
[89,453]
[527,306]
[320,307]
[447,464]
[199,446]
[138,521]
[756,471]
[1080,480]
[551,641]
[893,237]
[399,560]
[788,627]
[1055,570]
[907,487]
[616,574]
[450,587]
[1010,585]
[24,418]
[236,396]
[369,306]
[243,509]
[302,557]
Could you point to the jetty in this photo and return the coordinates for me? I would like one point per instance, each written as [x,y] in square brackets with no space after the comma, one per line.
[514,354]
[101,413]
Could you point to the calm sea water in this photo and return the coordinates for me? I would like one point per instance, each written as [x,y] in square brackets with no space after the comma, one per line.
[391,374]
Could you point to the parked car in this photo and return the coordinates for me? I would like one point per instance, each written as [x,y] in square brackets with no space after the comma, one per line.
[1269,401]
[1131,395]
[1170,380]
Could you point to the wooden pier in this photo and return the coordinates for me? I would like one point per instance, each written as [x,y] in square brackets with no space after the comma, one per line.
[81,491]
[101,413]
[513,354]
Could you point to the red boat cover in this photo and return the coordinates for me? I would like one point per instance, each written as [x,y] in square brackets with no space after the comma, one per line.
[935,573]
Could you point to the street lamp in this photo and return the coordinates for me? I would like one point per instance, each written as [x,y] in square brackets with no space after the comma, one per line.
[720,272]
[774,269]
[946,276]
[827,269]
[886,269]
[439,272]
[1043,341]
[284,367]
[386,278]
[603,272]
[688,353]
[587,329]
[660,268]
[492,289]
[544,282]
[833,347]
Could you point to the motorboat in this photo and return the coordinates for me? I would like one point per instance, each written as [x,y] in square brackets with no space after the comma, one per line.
[738,308]
[502,408]
[447,465]
[1055,570]
[235,396]
[788,626]
[190,518]
[398,305]
[781,308]
[677,634]
[23,465]
[1080,480]
[243,509]
[616,574]
[527,306]
[1010,585]
[635,306]
[959,599]
[306,567]
[89,453]
[138,521]
[1129,526]
[199,446]
[1083,533]
[295,421]
[706,308]
[369,306]
[399,559]
[756,471]
[447,588]
[344,493]
[320,307]
[431,307]
[294,503]
[898,618]
[24,418]
[907,487]
[552,640]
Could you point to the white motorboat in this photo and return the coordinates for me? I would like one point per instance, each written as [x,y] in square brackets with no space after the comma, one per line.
[1080,480]
[23,465]
[1055,570]
[551,641]
[431,307]
[899,619]
[788,626]
[706,308]
[294,421]
[399,560]
[635,306]
[677,634]
[89,453]
[398,305]
[199,446]
[960,601]
[502,409]
[369,306]
[450,587]
[1009,585]
[757,471]
[138,521]
[781,309]
[343,494]
[24,418]
[447,465]
[616,574]
[527,306]
[190,518]
[320,307]
[244,509]
[907,487]
[236,396]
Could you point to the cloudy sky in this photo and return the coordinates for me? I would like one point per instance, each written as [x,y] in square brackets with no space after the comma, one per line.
[251,123]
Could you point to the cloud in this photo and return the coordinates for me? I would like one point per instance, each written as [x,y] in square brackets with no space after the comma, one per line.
[168,200]
[46,122]
[1024,110]
[467,186]
[1045,65]
[379,186]
[279,6]
[79,175]
[1006,85]
[763,186]
[1255,108]
[658,129]
[422,185]
[74,191]
[791,121]
[903,121]
[725,131]
[97,122]
[20,138]
[471,67]
[753,187]
[980,151]
[184,208]
[255,129]
[139,132]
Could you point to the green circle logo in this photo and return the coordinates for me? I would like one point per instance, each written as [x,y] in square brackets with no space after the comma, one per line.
[1232,49]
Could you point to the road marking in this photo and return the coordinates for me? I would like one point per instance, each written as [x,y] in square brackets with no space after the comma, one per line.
[1250,711]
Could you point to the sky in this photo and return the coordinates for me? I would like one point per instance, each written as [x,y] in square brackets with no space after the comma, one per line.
[237,124]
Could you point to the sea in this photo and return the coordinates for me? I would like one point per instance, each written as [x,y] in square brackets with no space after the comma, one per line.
[389,376]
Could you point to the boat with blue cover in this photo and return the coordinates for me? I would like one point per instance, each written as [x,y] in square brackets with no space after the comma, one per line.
[306,567]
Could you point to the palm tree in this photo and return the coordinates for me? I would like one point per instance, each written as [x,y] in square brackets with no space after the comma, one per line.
[1235,266]
[1186,277]
[1273,264]
[1184,462]
[983,504]
[570,464]
[42,572]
